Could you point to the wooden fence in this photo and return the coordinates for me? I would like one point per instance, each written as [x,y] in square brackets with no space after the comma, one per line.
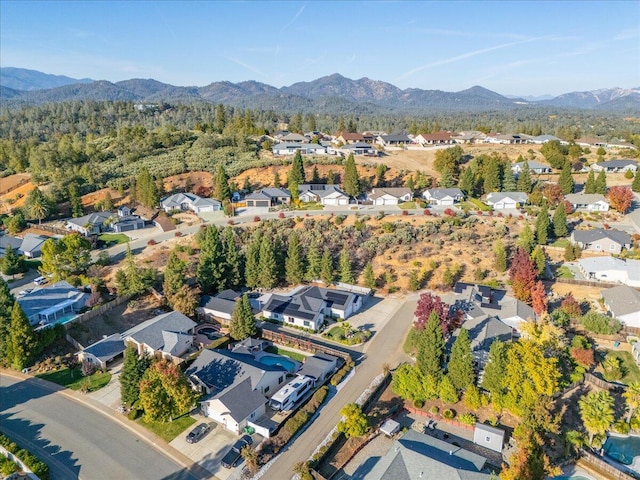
[48,228]
[306,345]
[601,466]
[105,307]
[587,283]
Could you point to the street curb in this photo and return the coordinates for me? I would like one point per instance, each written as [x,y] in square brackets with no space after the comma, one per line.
[149,437]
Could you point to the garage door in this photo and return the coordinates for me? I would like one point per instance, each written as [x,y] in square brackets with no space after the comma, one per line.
[331,201]
[343,201]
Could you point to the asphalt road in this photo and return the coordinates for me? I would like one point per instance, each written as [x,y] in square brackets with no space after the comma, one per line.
[75,440]
[384,347]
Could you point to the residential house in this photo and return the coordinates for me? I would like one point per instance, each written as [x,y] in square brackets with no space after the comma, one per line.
[591,202]
[294,138]
[623,302]
[324,194]
[219,306]
[472,136]
[419,456]
[434,139]
[397,140]
[488,437]
[308,306]
[443,196]
[319,367]
[389,195]
[348,138]
[288,148]
[542,139]
[359,149]
[601,240]
[483,331]
[591,142]
[189,201]
[168,335]
[236,386]
[52,304]
[616,166]
[534,167]
[91,224]
[30,245]
[103,352]
[268,197]
[505,139]
[611,269]
[506,200]
[7,241]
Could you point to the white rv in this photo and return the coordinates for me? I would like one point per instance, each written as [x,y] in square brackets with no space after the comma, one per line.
[285,398]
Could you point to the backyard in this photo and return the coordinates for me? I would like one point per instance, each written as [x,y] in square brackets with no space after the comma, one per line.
[628,367]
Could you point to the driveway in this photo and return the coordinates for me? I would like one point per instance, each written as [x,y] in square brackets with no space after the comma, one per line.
[375,313]
[109,395]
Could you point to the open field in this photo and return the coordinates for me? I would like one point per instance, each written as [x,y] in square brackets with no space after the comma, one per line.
[13,181]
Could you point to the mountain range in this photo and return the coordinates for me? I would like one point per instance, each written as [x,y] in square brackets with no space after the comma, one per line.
[331,94]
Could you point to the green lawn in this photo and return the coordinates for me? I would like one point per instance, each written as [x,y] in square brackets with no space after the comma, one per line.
[114,238]
[475,204]
[629,366]
[73,379]
[168,430]
[336,333]
[561,242]
[564,272]
[298,357]
[309,206]
[407,205]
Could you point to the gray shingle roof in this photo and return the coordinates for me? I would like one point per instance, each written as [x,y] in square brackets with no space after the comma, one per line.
[316,365]
[107,348]
[9,241]
[593,235]
[440,193]
[584,198]
[96,218]
[495,197]
[224,301]
[616,163]
[50,296]
[152,332]
[622,300]
[307,302]
[241,400]
[396,192]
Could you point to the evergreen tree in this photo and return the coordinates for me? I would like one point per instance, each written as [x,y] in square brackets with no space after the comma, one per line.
[467,181]
[447,391]
[635,186]
[560,221]
[133,369]
[314,261]
[222,191]
[491,175]
[381,170]
[431,348]
[542,226]
[12,263]
[296,175]
[524,179]
[37,205]
[267,266]
[294,265]
[276,180]
[233,262]
[500,254]
[146,189]
[539,259]
[221,118]
[210,272]
[326,267]
[315,176]
[526,239]
[174,276]
[22,342]
[252,260]
[368,276]
[446,179]
[351,181]
[414,281]
[566,179]
[346,272]
[243,321]
[331,177]
[590,184]
[495,371]
[601,183]
[129,279]
[460,365]
[509,180]
[74,201]
[6,303]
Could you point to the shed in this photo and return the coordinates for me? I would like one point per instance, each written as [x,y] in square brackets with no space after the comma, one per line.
[390,427]
[488,437]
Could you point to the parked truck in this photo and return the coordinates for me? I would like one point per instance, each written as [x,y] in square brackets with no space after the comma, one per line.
[233,456]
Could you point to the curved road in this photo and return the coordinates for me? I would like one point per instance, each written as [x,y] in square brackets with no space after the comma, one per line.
[77,441]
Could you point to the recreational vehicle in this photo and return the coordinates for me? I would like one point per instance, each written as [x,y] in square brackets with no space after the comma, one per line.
[285,398]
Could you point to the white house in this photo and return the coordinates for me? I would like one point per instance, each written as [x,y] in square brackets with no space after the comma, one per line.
[91,224]
[434,139]
[50,304]
[190,201]
[534,167]
[443,196]
[623,302]
[616,166]
[504,139]
[601,240]
[506,200]
[362,148]
[219,306]
[288,148]
[591,202]
[393,140]
[389,196]
[611,269]
[323,194]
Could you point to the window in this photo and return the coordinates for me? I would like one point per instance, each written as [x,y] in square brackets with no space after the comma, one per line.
[281,379]
[487,439]
[290,320]
[266,389]
[307,323]
[612,247]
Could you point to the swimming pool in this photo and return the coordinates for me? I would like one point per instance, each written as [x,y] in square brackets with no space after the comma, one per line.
[209,332]
[622,449]
[289,365]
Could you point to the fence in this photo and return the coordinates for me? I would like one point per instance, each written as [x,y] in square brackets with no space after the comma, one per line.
[455,423]
[587,283]
[588,377]
[98,310]
[307,345]
[601,466]
[48,228]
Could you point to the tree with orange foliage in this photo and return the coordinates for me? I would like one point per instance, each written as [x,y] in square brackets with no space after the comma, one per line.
[523,275]
[620,198]
[539,298]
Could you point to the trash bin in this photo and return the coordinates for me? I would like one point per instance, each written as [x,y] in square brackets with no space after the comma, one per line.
[616,344]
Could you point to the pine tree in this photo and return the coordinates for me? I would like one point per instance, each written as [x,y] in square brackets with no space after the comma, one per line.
[174,276]
[243,321]
[221,118]
[509,180]
[296,175]
[560,221]
[276,180]
[252,260]
[133,368]
[500,254]
[491,175]
[446,179]
[210,272]
[331,177]
[346,271]
[590,184]
[542,226]
[539,259]
[601,183]
[22,341]
[74,201]
[495,371]
[351,181]
[314,261]
[635,186]
[134,283]
[315,176]
[294,265]
[566,179]
[326,267]
[431,348]
[12,263]
[368,276]
[414,280]
[526,239]
[467,181]
[233,263]
[222,191]
[460,365]
[267,266]
[447,391]
[6,303]
[524,179]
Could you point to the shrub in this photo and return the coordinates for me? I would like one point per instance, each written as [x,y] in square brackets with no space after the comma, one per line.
[405,212]
[449,414]
[426,212]
[133,414]
[7,467]
[178,233]
[600,323]
[449,212]
[621,427]
[256,218]
[434,410]
[419,403]
[281,215]
[479,213]
[32,462]
[467,419]
[151,242]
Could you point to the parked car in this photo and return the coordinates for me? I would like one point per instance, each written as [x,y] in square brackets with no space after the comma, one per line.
[40,280]
[198,432]
[233,456]
[25,292]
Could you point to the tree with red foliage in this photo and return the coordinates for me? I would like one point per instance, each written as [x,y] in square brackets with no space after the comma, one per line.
[553,193]
[583,356]
[523,275]
[568,207]
[620,198]
[570,306]
[539,298]
[427,304]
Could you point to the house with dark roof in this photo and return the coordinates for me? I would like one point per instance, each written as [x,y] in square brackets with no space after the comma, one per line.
[268,197]
[505,139]
[623,303]
[396,140]
[236,386]
[534,167]
[103,352]
[323,194]
[434,139]
[591,202]
[168,335]
[308,306]
[389,195]
[30,245]
[443,196]
[219,306]
[418,456]
[189,201]
[7,241]
[483,331]
[50,304]
[91,224]
[506,200]
[290,148]
[616,166]
[601,240]
[361,148]
[319,367]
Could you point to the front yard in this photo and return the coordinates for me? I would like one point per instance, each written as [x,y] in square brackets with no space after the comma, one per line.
[168,430]
[72,378]
[114,238]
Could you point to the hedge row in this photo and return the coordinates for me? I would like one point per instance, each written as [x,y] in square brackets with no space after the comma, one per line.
[340,374]
[32,462]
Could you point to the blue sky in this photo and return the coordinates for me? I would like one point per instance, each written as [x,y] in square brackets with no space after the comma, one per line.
[511,47]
